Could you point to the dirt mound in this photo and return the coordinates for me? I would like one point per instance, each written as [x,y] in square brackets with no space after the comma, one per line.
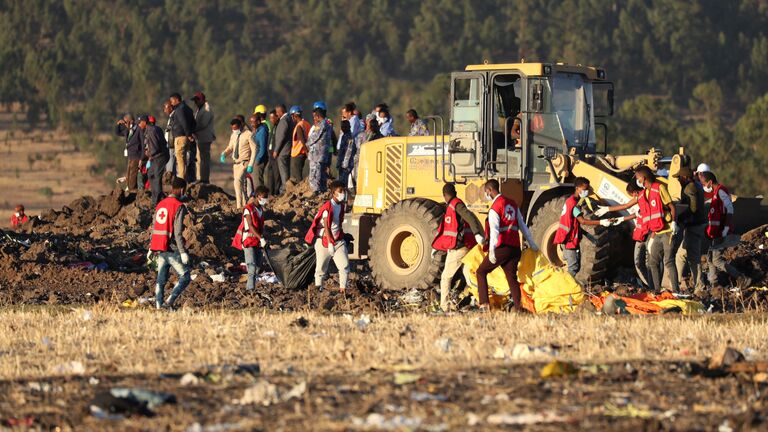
[94,250]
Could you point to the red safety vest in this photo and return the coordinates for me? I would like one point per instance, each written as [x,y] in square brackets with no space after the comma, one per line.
[641,222]
[448,231]
[251,224]
[16,221]
[316,227]
[716,214]
[162,231]
[652,209]
[508,229]
[569,231]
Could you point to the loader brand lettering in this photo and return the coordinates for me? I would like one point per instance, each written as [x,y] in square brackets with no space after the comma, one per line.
[422,150]
[610,193]
[162,215]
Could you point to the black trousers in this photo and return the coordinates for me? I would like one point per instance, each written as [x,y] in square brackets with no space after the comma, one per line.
[156,172]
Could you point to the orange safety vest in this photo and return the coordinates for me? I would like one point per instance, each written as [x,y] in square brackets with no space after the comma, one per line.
[448,231]
[569,231]
[716,214]
[298,147]
[508,229]
[251,224]
[652,210]
[314,229]
[162,231]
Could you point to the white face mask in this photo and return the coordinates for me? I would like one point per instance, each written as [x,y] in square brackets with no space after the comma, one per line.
[18,214]
[639,183]
[584,193]
[708,189]
[341,197]
[262,201]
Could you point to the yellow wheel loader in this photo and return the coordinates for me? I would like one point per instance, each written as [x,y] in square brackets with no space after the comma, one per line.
[531,126]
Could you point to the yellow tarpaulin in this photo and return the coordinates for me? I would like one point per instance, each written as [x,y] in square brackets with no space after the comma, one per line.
[552,289]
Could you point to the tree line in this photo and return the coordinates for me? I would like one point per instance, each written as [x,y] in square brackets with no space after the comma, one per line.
[691,73]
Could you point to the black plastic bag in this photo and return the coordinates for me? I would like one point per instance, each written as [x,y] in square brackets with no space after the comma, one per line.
[295,270]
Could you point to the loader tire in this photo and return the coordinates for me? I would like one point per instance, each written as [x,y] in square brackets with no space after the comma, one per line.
[596,250]
[401,246]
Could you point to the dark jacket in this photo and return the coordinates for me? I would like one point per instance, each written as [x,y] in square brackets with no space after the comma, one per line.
[182,121]
[133,140]
[695,213]
[155,144]
[283,132]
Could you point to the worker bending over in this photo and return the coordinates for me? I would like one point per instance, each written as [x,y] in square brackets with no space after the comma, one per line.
[639,234]
[328,238]
[502,229]
[459,231]
[167,243]
[568,234]
[658,213]
[250,234]
[18,218]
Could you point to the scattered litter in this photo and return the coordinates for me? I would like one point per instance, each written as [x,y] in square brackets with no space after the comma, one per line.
[402,378]
[595,369]
[526,418]
[39,387]
[219,427]
[363,322]
[262,393]
[46,341]
[268,277]
[86,315]
[300,322]
[444,344]
[112,404]
[22,422]
[189,379]
[558,368]
[724,357]
[93,381]
[725,426]
[523,351]
[194,276]
[499,353]
[412,297]
[425,397]
[70,368]
[219,277]
[130,304]
[375,421]
[87,265]
[271,334]
[473,419]
[296,392]
[749,354]
[628,410]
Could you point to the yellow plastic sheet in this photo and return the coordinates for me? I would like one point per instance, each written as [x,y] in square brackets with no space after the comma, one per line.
[689,307]
[552,289]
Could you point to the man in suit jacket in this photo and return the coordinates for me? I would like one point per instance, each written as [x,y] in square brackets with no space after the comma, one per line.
[282,151]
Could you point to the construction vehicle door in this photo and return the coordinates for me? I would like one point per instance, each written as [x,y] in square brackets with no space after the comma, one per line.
[464,155]
[543,132]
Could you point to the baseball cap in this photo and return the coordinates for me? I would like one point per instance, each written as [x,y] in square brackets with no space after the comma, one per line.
[151,119]
[703,168]
[199,96]
[684,171]
[143,118]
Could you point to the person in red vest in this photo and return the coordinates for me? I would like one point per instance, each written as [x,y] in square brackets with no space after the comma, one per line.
[719,225]
[167,243]
[250,234]
[658,213]
[18,218]
[568,234]
[502,229]
[639,233]
[459,231]
[328,238]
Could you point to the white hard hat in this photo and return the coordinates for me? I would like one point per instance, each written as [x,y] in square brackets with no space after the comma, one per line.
[703,168]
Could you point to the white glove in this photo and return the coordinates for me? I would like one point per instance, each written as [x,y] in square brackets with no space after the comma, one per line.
[185,258]
[150,255]
[434,252]
[492,256]
[602,210]
[725,232]
[618,221]
[675,228]
[605,222]
[262,242]
[331,248]
[479,239]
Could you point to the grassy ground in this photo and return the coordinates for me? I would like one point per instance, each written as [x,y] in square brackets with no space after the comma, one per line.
[375,376]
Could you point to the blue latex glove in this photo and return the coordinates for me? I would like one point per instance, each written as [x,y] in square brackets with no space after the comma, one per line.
[223,158]
[149,164]
[249,170]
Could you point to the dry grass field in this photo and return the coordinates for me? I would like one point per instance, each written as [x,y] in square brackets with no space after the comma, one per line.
[396,372]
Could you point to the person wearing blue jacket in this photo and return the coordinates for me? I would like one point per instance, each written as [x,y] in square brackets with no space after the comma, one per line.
[261,138]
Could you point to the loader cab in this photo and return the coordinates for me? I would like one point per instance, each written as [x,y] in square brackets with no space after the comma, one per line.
[508,121]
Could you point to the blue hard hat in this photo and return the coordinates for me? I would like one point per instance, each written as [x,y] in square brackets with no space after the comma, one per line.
[319,104]
[295,110]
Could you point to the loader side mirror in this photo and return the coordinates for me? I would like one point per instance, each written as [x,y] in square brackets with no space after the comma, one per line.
[603,96]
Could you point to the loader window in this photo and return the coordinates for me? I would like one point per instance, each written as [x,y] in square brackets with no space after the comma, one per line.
[467,94]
